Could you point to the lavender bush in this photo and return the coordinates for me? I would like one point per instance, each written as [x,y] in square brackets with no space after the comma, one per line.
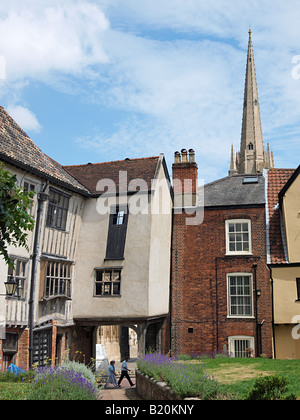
[60,383]
[186,380]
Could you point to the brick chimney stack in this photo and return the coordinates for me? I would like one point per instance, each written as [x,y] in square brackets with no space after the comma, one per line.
[185,178]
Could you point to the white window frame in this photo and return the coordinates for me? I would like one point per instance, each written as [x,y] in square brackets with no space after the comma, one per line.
[229,304]
[234,338]
[236,221]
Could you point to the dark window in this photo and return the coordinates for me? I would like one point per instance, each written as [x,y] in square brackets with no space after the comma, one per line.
[57,210]
[298,288]
[10,343]
[42,346]
[19,273]
[117,233]
[107,283]
[58,280]
[28,187]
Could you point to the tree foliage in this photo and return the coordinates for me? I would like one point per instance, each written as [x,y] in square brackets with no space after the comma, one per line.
[15,219]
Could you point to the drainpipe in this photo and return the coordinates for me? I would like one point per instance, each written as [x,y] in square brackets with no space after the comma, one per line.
[273,312]
[42,198]
[256,310]
[217,303]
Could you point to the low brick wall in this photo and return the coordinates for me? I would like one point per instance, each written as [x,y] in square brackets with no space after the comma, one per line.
[149,389]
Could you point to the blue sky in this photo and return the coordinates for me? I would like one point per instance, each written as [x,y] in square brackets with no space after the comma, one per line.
[101,80]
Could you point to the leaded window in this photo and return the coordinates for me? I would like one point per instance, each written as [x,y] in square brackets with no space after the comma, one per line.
[107,282]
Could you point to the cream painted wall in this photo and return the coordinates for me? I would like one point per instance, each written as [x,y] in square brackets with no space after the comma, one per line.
[160,248]
[145,268]
[91,254]
[291,216]
[286,346]
[285,294]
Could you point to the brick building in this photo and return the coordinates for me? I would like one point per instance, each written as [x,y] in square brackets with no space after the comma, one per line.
[220,283]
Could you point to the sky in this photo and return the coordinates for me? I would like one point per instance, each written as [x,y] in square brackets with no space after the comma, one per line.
[102,80]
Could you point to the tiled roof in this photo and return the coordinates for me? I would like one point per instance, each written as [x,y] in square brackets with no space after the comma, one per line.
[234,191]
[89,174]
[277,178]
[18,149]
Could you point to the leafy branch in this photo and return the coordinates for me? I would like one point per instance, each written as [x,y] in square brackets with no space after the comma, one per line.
[15,219]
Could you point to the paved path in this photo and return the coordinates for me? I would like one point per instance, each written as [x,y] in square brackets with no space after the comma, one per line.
[125,392]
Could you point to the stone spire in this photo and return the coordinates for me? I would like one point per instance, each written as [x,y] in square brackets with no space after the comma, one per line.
[252,157]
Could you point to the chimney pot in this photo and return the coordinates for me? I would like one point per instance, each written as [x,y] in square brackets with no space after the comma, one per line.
[191,155]
[177,157]
[184,155]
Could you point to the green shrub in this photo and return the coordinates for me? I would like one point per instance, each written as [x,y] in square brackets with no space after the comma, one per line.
[270,388]
[60,383]
[85,371]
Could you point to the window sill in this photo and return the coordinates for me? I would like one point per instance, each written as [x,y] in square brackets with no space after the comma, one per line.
[47,299]
[240,317]
[107,296]
[238,254]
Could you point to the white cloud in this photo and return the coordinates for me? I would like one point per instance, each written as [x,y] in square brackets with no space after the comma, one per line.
[43,37]
[26,119]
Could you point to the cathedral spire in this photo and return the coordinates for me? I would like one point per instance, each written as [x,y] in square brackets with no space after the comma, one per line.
[252,157]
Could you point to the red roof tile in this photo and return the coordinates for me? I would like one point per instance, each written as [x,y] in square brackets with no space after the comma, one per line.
[89,175]
[277,178]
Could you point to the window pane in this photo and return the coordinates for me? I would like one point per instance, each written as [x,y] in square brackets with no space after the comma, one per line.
[107,276]
[245,227]
[99,275]
[107,288]
[231,227]
[120,217]
[116,288]
[238,227]
[116,276]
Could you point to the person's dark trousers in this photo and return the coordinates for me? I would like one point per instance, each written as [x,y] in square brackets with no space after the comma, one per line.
[125,374]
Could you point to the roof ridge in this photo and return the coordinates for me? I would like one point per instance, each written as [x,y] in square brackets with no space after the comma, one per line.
[112,161]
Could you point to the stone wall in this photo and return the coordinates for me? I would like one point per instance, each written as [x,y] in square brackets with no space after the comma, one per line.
[149,389]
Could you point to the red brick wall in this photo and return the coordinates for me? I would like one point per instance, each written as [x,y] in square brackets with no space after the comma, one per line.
[199,283]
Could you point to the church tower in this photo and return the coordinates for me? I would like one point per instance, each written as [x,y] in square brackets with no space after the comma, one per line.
[253,157]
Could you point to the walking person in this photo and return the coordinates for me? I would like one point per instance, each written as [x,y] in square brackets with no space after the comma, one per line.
[124,372]
[112,375]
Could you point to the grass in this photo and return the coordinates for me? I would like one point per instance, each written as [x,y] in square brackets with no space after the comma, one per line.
[14,391]
[237,376]
[222,377]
